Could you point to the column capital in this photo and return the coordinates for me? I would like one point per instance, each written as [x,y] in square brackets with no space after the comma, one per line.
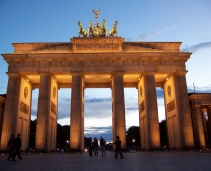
[76,73]
[197,105]
[118,73]
[209,107]
[180,72]
[13,74]
[44,73]
[204,110]
[149,73]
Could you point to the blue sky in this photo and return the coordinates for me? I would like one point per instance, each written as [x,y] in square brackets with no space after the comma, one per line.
[56,21]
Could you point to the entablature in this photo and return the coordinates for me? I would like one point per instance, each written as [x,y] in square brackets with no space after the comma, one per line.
[95,45]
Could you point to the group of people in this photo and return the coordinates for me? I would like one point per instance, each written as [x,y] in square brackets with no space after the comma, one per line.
[93,146]
[14,146]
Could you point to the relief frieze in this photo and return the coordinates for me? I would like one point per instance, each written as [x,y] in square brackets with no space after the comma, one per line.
[141,107]
[53,108]
[24,108]
[171,106]
[96,63]
[97,46]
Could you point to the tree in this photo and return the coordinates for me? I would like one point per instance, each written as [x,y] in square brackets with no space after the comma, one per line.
[133,136]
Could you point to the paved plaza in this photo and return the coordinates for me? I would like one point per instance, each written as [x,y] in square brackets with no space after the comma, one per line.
[161,161]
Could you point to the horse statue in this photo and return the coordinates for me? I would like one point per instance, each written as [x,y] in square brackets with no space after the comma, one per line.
[114,30]
[103,28]
[81,31]
[90,29]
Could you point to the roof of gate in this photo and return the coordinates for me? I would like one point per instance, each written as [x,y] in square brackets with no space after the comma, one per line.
[96,45]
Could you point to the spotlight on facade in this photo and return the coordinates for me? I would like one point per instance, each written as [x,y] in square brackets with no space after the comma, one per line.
[27,80]
[167,79]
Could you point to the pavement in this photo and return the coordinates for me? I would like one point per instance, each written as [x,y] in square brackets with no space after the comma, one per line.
[149,161]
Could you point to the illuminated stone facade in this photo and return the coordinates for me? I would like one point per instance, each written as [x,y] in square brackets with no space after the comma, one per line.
[107,62]
[2,104]
[201,116]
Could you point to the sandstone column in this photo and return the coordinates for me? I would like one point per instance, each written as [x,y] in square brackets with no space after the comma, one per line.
[148,113]
[118,107]
[209,120]
[76,119]
[203,111]
[183,111]
[11,109]
[43,110]
[198,127]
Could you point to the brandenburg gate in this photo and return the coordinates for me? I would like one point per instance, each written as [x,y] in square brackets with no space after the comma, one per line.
[97,62]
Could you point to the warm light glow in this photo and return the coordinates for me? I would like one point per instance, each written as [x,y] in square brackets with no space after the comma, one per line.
[134,140]
[67,141]
[85,150]
[167,79]
[27,79]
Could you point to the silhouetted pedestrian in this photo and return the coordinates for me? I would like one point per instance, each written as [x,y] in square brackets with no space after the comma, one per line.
[17,147]
[90,146]
[102,145]
[95,146]
[118,147]
[11,146]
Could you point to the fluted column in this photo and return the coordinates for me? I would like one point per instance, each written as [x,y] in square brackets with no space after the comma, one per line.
[203,111]
[151,112]
[118,118]
[11,109]
[209,120]
[76,119]
[198,127]
[183,110]
[43,109]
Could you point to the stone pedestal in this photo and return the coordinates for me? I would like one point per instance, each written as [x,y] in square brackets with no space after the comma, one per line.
[118,109]
[198,128]
[76,119]
[11,110]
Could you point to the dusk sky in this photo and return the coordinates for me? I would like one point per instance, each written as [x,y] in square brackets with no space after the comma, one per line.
[186,21]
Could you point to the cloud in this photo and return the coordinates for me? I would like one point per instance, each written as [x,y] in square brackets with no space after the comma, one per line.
[105,132]
[197,47]
[146,36]
[199,89]
[97,100]
[131,108]
[34,113]
[68,99]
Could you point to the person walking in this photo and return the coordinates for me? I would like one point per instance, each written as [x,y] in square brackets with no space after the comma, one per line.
[118,147]
[90,146]
[96,146]
[102,144]
[11,145]
[17,147]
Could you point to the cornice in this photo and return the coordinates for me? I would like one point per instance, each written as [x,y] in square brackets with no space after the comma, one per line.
[200,97]
[95,45]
